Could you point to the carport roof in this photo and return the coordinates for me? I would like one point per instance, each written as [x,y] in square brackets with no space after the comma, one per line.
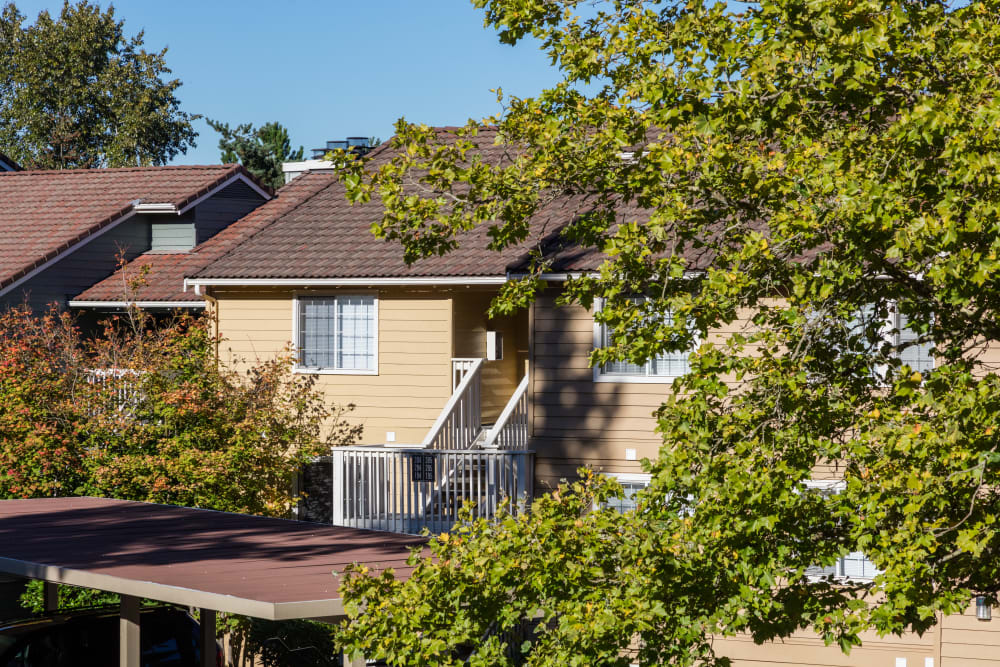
[256,566]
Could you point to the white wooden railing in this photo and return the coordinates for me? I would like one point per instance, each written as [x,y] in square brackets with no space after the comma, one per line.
[460,367]
[511,429]
[121,385]
[407,490]
[460,422]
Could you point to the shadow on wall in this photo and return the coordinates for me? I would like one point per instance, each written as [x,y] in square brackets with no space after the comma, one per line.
[576,420]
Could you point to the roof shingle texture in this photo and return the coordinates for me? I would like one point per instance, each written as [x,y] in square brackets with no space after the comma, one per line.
[328,237]
[43,213]
[166,272]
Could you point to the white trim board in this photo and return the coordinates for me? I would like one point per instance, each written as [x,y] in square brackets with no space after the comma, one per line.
[141,304]
[198,283]
[136,209]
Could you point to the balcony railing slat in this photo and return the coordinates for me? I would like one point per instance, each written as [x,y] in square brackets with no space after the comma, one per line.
[382,489]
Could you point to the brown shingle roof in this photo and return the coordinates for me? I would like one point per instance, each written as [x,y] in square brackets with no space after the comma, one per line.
[270,568]
[43,213]
[165,279]
[328,238]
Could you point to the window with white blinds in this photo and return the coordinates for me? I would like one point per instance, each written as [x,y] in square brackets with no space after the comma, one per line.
[919,357]
[631,485]
[896,331]
[664,366]
[854,566]
[337,333]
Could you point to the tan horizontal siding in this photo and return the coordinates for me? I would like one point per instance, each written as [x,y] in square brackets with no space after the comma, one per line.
[574,418]
[965,640]
[414,355]
[501,377]
[801,650]
[574,415]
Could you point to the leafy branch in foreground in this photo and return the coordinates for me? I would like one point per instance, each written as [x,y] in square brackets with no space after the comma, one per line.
[809,190]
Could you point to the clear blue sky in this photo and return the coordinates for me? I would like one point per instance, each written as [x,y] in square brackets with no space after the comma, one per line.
[328,69]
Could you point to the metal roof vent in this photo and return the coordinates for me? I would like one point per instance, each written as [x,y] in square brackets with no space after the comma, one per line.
[356,145]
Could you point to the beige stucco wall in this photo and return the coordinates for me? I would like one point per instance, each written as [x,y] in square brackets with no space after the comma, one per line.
[414,354]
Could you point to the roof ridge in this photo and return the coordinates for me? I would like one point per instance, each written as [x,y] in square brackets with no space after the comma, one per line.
[119,170]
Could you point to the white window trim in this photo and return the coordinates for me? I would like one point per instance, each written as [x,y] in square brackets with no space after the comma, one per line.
[631,477]
[835,486]
[306,370]
[627,478]
[600,376]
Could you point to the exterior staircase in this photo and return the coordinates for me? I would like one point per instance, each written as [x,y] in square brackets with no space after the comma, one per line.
[409,489]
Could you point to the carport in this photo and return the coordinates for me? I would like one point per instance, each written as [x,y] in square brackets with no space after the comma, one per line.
[218,562]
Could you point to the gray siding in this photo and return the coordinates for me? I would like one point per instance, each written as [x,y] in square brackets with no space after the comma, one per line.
[90,264]
[97,259]
[172,234]
[229,205]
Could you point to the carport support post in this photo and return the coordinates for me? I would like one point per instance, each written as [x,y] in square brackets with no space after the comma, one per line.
[128,632]
[355,662]
[208,647]
[50,595]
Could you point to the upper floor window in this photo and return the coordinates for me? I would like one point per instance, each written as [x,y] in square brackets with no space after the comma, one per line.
[337,334]
[894,329]
[854,566]
[662,368]
[920,355]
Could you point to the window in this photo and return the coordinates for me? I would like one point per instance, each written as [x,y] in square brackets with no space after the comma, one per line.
[631,485]
[919,357]
[337,334]
[855,566]
[895,330]
[663,368]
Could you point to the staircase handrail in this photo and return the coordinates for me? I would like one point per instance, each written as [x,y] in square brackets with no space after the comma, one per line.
[508,430]
[463,405]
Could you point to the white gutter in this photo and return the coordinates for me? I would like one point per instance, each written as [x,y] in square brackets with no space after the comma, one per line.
[554,277]
[198,283]
[141,304]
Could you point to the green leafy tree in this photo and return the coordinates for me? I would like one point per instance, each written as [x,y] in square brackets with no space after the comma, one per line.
[76,92]
[811,175]
[260,150]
